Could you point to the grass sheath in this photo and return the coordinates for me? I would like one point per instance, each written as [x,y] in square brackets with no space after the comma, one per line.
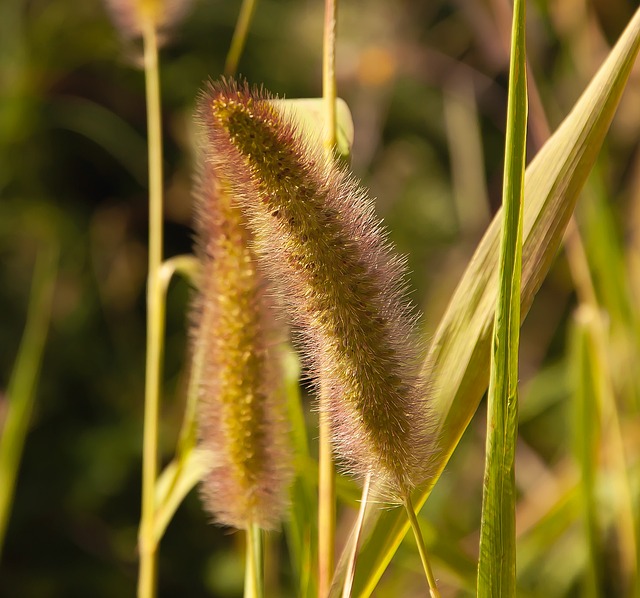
[588,383]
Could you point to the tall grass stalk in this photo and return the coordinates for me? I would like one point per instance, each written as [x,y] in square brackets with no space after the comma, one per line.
[254,566]
[497,564]
[326,481]
[155,317]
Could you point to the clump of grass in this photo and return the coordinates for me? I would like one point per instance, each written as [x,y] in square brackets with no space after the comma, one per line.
[315,232]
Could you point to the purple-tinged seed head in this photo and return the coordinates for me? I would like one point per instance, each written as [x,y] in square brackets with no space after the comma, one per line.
[315,232]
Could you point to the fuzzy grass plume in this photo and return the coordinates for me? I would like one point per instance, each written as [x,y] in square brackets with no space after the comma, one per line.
[315,231]
[240,417]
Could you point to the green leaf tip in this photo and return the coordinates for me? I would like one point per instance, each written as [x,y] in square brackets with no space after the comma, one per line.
[241,409]
[315,232]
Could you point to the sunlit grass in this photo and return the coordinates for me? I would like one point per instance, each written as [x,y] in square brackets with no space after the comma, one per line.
[419,109]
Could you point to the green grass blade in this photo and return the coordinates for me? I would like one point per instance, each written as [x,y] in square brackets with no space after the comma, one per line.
[301,527]
[610,391]
[24,380]
[107,130]
[497,565]
[175,482]
[612,279]
[586,373]
[459,355]
[188,467]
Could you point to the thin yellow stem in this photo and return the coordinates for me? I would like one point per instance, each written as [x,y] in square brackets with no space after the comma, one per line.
[329,86]
[357,531]
[253,576]
[239,36]
[326,483]
[326,509]
[415,526]
[155,319]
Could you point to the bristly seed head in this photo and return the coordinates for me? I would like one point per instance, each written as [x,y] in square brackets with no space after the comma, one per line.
[241,414]
[315,231]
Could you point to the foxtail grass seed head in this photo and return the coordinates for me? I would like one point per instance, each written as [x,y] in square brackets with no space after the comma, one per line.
[130,16]
[315,231]
[241,416]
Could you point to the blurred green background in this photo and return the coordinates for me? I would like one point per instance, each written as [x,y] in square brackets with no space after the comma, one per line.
[426,84]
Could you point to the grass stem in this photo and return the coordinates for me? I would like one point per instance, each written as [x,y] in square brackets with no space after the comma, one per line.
[326,509]
[329,85]
[326,489]
[239,36]
[155,318]
[254,566]
[415,526]
[497,562]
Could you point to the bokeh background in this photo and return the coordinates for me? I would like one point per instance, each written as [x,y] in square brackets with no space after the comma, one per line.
[426,84]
